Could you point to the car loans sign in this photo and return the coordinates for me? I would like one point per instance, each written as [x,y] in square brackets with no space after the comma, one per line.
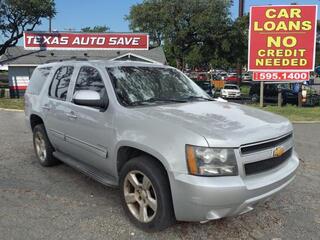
[282,39]
[86,41]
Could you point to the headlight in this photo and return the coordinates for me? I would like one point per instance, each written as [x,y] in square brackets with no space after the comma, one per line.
[206,161]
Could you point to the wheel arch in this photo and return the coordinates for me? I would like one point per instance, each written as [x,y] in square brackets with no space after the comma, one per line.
[127,151]
[35,120]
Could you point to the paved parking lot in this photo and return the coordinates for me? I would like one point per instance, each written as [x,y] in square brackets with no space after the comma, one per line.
[60,203]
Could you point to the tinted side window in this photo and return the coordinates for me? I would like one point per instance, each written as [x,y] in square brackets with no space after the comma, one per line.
[90,79]
[39,77]
[60,83]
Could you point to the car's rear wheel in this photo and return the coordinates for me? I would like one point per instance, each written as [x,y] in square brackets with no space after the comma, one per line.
[145,194]
[43,147]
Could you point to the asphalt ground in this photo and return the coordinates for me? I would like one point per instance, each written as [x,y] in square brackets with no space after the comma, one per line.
[61,203]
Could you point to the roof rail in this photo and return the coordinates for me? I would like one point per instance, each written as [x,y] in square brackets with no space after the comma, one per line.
[74,58]
[77,59]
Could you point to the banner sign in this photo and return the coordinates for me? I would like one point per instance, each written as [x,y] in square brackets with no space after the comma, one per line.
[282,39]
[281,76]
[85,41]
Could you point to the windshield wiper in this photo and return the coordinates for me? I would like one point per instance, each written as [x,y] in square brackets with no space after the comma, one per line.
[198,97]
[154,99]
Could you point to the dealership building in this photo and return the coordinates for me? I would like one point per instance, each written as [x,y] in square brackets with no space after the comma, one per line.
[22,62]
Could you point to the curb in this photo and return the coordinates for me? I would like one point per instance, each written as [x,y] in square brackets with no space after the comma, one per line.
[11,110]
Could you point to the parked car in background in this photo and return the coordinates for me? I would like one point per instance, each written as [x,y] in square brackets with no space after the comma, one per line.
[317,71]
[232,78]
[174,152]
[222,75]
[246,76]
[230,91]
[271,93]
[206,85]
[202,76]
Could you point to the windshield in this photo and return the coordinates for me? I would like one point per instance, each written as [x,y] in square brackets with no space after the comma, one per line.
[153,85]
[230,87]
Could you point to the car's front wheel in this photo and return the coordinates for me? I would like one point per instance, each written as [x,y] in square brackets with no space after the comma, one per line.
[145,194]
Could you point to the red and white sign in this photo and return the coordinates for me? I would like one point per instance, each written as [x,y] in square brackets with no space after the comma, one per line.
[281,76]
[86,41]
[282,39]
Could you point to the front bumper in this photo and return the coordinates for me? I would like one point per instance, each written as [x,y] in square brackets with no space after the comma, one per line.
[231,95]
[207,198]
[228,95]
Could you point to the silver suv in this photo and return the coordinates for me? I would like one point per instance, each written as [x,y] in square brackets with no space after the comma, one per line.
[175,153]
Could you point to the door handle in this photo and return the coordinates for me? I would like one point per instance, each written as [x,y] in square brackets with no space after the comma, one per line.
[71,115]
[46,107]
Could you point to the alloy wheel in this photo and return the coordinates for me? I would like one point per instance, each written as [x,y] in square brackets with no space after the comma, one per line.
[40,145]
[140,196]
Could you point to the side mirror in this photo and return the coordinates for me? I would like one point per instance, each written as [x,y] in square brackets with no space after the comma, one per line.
[89,98]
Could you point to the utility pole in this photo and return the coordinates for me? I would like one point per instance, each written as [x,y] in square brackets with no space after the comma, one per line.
[241,10]
[50,18]
[50,23]
[241,7]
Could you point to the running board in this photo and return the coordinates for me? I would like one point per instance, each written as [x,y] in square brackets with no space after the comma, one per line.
[87,170]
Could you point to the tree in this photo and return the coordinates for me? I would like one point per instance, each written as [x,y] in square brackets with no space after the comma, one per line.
[148,17]
[318,44]
[98,29]
[17,16]
[238,37]
[187,29]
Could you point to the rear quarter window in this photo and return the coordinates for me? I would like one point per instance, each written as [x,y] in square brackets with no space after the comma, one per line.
[60,83]
[38,78]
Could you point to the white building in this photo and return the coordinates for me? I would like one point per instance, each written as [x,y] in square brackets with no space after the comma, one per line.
[3,67]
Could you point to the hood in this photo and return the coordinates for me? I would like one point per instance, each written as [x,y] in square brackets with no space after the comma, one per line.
[221,124]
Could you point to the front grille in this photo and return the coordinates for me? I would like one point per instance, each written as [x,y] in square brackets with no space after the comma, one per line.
[267,164]
[265,145]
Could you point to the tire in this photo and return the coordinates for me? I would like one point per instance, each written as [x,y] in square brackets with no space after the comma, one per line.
[284,101]
[42,147]
[146,168]
[254,98]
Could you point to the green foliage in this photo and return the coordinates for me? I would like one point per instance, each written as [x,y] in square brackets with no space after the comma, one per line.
[12,103]
[239,39]
[17,16]
[96,29]
[148,17]
[293,113]
[193,32]
[318,55]
[318,44]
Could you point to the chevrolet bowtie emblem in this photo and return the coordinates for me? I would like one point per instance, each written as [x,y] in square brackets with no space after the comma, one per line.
[278,151]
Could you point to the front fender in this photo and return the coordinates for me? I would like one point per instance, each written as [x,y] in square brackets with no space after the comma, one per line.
[145,148]
[161,139]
